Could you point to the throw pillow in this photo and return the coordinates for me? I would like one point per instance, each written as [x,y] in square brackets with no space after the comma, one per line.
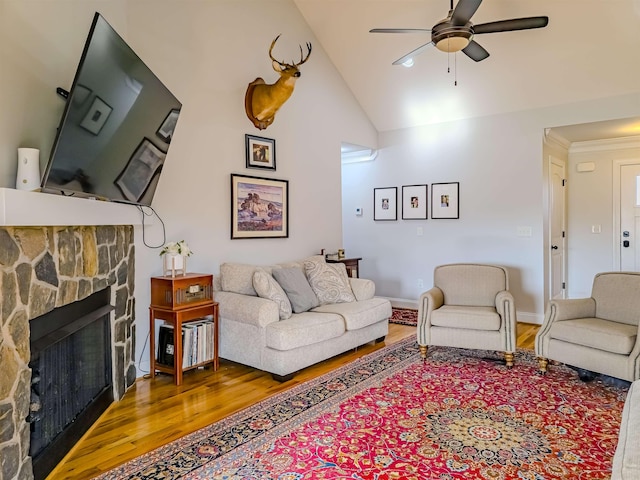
[329,282]
[267,287]
[295,284]
[237,278]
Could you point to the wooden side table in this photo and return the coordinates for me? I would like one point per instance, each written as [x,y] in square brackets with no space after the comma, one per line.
[179,300]
[352,264]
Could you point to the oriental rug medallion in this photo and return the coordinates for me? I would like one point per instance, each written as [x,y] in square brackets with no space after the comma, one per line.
[389,415]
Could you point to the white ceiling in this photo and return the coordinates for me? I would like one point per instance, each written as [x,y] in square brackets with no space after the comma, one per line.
[589,50]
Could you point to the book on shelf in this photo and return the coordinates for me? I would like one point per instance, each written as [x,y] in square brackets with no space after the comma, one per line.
[197,343]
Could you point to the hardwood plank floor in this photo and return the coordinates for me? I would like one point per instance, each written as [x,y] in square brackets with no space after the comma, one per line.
[154,412]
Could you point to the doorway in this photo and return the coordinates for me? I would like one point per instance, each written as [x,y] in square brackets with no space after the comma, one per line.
[557,228]
[627,215]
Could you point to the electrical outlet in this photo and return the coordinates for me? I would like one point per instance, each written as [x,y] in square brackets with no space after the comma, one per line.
[420,283]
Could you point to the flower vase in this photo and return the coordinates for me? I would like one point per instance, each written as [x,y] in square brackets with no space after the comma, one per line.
[174,264]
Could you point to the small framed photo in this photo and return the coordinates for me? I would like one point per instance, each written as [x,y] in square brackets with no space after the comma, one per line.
[259,207]
[385,203]
[146,161]
[97,116]
[414,202]
[445,200]
[260,152]
[165,132]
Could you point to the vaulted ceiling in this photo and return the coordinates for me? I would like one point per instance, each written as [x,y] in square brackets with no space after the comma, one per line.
[589,50]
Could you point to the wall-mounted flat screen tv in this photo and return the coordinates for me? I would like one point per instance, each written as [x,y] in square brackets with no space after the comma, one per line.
[116,127]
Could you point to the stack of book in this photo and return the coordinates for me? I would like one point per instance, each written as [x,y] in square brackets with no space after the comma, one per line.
[197,343]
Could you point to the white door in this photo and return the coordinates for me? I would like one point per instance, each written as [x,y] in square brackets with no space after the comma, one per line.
[629,217]
[557,230]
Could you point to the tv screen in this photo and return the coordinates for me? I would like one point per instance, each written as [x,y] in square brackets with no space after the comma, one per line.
[117,125]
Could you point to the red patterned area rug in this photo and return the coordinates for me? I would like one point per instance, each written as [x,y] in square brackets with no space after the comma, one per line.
[459,415]
[404,316]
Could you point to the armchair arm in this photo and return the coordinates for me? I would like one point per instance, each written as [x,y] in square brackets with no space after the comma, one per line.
[570,308]
[506,307]
[247,309]
[557,311]
[429,301]
[362,288]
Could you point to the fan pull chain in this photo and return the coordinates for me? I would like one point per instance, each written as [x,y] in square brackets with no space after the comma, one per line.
[455,69]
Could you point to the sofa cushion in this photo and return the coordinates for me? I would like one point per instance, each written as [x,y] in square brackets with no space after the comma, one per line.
[267,287]
[359,314]
[471,318]
[303,329]
[329,282]
[597,333]
[294,282]
[237,278]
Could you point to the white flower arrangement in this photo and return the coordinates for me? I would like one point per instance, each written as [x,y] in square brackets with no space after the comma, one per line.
[176,248]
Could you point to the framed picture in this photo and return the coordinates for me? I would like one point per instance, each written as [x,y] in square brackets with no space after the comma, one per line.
[165,132]
[97,116]
[146,161]
[385,203]
[261,152]
[445,200]
[259,207]
[414,202]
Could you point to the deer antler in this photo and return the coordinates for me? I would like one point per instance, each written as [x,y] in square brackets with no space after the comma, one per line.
[283,64]
[302,57]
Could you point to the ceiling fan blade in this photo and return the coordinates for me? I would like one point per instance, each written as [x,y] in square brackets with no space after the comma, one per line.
[510,25]
[399,30]
[413,53]
[464,11]
[475,51]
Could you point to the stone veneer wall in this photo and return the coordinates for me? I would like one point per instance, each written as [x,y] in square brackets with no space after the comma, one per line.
[42,268]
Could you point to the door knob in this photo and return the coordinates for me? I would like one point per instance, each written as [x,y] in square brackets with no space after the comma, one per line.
[554,247]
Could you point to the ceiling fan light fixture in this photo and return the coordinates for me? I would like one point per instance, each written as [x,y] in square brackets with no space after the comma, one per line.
[452,43]
[408,63]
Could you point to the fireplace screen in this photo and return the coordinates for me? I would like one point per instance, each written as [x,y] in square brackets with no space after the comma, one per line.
[71,377]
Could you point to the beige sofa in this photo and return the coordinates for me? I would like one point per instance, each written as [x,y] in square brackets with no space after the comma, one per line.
[626,461]
[261,333]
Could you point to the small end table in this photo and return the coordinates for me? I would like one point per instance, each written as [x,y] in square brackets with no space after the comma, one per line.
[352,264]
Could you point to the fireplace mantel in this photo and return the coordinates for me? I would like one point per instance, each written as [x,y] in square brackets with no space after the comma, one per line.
[19,208]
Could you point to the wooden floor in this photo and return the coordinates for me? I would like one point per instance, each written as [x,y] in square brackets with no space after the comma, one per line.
[154,412]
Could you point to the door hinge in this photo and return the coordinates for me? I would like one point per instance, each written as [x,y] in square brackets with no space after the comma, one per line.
[564,285]
[563,234]
[564,182]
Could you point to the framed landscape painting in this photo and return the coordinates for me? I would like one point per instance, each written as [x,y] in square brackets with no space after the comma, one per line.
[259,207]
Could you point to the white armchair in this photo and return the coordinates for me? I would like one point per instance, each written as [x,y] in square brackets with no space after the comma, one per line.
[599,334]
[469,306]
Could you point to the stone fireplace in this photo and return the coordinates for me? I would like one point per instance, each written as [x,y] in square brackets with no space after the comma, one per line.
[43,268]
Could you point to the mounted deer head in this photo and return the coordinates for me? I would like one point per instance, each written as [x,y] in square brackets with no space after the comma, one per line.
[262,101]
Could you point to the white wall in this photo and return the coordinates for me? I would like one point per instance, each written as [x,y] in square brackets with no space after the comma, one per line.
[499,163]
[591,199]
[207,53]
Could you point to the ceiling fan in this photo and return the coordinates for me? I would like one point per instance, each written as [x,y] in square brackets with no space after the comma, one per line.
[456,32]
